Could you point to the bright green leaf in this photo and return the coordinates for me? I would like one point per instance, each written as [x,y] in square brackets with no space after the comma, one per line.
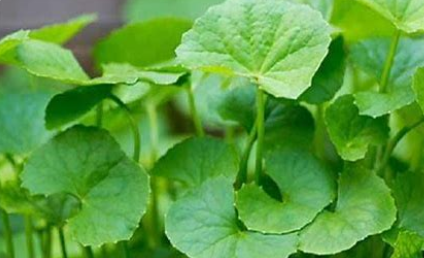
[305,184]
[324,6]
[329,77]
[10,42]
[351,132]
[408,245]
[88,164]
[142,44]
[364,208]
[203,224]
[279,45]
[71,105]
[418,86]
[197,159]
[406,15]
[50,61]
[370,56]
[62,32]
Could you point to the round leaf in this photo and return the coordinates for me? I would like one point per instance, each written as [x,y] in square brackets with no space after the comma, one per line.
[88,164]
[306,186]
[406,15]
[197,159]
[279,44]
[364,207]
[203,224]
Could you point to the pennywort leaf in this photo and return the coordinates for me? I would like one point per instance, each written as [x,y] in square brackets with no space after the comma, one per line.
[408,245]
[351,132]
[88,164]
[279,46]
[406,15]
[364,207]
[306,186]
[203,224]
[195,160]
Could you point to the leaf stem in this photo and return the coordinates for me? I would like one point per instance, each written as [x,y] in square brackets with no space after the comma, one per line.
[389,61]
[133,124]
[8,234]
[88,252]
[260,122]
[99,115]
[29,236]
[154,212]
[125,249]
[194,114]
[62,242]
[47,243]
[395,141]
[242,175]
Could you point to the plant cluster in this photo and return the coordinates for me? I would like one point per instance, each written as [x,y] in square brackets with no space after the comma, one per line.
[306,135]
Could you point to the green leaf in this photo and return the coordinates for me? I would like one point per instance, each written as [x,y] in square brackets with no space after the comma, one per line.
[10,42]
[408,193]
[324,6]
[141,10]
[370,56]
[351,132]
[203,224]
[280,45]
[329,77]
[142,44]
[22,120]
[364,208]
[345,16]
[197,159]
[418,86]
[305,184]
[63,32]
[88,164]
[71,105]
[49,60]
[408,245]
[406,15]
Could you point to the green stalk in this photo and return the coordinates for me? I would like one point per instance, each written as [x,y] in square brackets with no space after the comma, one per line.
[99,115]
[8,234]
[29,236]
[153,223]
[88,252]
[244,162]
[194,114]
[389,62]
[133,124]
[62,242]
[47,243]
[260,122]
[125,249]
[395,141]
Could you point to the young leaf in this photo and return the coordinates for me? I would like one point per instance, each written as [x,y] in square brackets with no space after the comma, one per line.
[408,245]
[10,42]
[88,164]
[62,32]
[50,61]
[364,207]
[71,105]
[351,132]
[329,77]
[408,194]
[370,56]
[142,44]
[406,15]
[203,224]
[197,159]
[305,184]
[280,44]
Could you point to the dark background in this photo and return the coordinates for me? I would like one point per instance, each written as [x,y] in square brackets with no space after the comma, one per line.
[27,14]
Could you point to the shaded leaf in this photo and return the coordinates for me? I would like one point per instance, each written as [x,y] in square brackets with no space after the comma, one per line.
[408,245]
[351,132]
